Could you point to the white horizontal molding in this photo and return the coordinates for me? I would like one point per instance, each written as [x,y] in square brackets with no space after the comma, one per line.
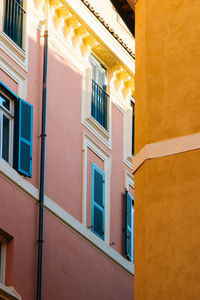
[8,293]
[165,148]
[20,182]
[16,75]
[88,235]
[101,33]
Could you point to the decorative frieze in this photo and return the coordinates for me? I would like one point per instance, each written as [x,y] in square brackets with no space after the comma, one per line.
[72,29]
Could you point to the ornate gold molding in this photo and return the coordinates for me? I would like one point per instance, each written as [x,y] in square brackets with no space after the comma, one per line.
[84,40]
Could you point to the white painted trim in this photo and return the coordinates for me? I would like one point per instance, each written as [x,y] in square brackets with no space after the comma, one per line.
[9,46]
[128,157]
[104,36]
[88,235]
[81,63]
[88,142]
[3,260]
[164,148]
[16,75]
[21,183]
[129,181]
[8,293]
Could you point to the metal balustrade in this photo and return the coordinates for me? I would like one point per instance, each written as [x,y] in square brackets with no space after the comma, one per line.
[99,103]
[13,20]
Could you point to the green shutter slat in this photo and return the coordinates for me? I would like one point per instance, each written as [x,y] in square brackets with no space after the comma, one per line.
[129,226]
[98,201]
[24,137]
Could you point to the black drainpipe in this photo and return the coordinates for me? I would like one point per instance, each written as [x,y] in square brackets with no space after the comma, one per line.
[42,170]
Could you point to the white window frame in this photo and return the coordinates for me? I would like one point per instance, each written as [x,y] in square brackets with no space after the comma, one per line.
[3,260]
[10,116]
[87,120]
[88,142]
[129,181]
[19,55]
[128,115]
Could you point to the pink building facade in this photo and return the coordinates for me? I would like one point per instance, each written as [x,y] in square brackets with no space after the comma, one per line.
[89,117]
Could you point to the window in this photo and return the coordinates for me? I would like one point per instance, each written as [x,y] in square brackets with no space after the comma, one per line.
[133,123]
[6,128]
[98,201]
[2,259]
[99,97]
[16,145]
[129,245]
[13,20]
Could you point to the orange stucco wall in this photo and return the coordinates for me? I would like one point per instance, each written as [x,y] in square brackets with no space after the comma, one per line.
[167,189]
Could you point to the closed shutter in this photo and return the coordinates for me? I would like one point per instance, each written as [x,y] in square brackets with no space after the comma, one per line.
[98,199]
[23,137]
[129,226]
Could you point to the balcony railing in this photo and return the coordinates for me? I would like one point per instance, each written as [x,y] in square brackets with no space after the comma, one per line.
[99,103]
[13,20]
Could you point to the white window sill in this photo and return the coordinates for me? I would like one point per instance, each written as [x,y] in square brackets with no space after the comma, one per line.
[8,293]
[103,247]
[13,50]
[99,131]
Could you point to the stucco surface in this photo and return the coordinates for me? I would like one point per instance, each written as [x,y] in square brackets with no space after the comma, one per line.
[167,263]
[167,189]
[167,70]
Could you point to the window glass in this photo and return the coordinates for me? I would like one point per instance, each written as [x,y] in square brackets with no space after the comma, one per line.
[13,20]
[4,102]
[99,97]
[5,138]
[99,74]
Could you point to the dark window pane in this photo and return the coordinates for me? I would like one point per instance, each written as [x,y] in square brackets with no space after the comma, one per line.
[4,102]
[99,102]
[13,20]
[5,150]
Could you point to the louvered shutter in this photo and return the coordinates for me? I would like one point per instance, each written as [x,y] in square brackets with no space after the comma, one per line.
[129,226]
[23,137]
[98,195]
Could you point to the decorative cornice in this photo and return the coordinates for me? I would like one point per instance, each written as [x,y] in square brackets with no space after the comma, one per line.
[165,148]
[116,36]
[70,26]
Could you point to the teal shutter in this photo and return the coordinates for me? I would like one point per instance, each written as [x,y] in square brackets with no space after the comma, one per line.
[23,137]
[98,201]
[129,226]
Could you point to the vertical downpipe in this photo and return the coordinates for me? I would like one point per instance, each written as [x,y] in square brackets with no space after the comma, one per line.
[42,165]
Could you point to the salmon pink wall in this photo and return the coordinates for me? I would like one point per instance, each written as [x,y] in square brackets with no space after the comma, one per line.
[19,219]
[63,143]
[72,267]
[117,211]
[78,270]
[8,81]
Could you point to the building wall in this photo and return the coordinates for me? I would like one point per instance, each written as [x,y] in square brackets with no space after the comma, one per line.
[77,264]
[166,187]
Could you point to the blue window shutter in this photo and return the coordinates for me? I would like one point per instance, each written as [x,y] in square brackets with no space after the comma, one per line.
[23,137]
[98,201]
[129,226]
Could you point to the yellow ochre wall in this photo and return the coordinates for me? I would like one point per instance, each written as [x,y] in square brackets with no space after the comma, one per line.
[167,189]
